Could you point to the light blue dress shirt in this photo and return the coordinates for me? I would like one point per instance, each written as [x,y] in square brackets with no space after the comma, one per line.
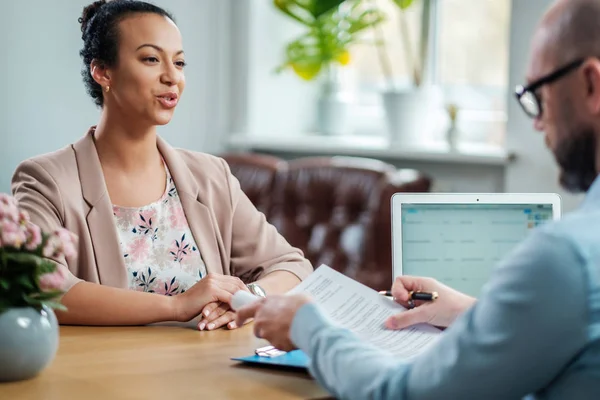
[535,331]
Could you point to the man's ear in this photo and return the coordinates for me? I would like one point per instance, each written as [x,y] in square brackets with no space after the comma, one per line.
[100,73]
[591,73]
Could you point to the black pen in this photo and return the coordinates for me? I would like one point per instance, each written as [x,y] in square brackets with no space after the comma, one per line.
[423,296]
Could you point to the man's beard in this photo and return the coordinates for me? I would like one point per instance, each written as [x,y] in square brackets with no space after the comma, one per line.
[576,156]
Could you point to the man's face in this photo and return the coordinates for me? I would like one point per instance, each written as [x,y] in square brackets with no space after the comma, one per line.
[565,121]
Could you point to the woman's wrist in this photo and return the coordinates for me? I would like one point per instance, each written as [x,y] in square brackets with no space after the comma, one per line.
[171,308]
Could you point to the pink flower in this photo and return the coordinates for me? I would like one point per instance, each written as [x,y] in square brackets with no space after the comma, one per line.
[34,236]
[139,248]
[11,234]
[54,280]
[9,209]
[6,200]
[23,217]
[68,241]
[177,218]
[61,243]
[51,247]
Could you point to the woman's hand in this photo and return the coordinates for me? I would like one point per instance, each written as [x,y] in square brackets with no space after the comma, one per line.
[441,312]
[214,288]
[217,315]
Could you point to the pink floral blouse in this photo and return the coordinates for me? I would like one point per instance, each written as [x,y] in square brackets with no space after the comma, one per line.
[159,250]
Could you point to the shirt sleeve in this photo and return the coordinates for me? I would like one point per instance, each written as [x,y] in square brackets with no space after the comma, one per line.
[343,364]
[528,324]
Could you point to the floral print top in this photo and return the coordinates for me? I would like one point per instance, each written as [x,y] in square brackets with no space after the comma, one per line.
[158,248]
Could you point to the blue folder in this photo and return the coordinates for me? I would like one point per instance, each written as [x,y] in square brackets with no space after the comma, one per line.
[292,359]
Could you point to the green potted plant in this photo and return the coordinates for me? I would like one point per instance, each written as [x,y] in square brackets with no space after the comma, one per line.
[408,109]
[331,28]
[30,288]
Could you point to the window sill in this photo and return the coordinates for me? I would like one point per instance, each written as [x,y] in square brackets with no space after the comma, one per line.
[375,147]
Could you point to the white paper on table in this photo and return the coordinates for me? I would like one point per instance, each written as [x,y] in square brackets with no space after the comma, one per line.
[357,307]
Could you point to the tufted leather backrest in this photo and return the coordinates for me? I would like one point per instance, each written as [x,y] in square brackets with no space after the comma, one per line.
[335,209]
[256,173]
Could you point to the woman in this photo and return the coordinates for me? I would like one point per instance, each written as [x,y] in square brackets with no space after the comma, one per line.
[150,219]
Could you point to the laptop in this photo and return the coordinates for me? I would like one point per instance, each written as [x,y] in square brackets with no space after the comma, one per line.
[459,238]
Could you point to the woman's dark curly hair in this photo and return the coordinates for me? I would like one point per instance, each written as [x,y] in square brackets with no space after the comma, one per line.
[99,22]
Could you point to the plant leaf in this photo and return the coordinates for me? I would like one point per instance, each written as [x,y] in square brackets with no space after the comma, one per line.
[4,284]
[296,11]
[46,267]
[55,305]
[322,7]
[25,281]
[46,296]
[20,259]
[403,4]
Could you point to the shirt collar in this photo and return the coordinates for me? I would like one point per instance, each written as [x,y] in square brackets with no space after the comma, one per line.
[592,197]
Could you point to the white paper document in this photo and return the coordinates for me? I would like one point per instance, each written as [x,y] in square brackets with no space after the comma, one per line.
[363,310]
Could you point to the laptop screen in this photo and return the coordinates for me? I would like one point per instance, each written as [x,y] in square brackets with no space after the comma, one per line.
[459,244]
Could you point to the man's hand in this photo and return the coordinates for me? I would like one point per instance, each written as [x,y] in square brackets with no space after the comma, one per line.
[441,312]
[273,318]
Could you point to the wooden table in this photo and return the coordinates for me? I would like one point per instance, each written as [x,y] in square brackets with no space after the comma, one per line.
[159,362]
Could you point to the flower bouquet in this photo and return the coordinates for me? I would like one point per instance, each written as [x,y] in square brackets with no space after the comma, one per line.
[31,285]
[28,277]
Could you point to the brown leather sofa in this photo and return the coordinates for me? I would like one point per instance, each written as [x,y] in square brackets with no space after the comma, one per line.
[335,209]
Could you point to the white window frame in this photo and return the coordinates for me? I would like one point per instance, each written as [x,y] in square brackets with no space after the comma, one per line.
[249,94]
[370,118]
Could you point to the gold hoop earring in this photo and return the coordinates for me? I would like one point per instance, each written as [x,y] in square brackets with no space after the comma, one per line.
[106,89]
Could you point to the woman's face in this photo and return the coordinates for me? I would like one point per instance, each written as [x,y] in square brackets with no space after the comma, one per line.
[148,79]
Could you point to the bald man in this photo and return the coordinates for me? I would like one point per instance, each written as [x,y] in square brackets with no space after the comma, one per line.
[535,330]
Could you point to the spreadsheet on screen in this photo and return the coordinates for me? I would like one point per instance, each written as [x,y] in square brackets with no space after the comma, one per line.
[459,244]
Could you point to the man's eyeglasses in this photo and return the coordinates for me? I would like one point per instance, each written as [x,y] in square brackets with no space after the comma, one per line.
[528,96]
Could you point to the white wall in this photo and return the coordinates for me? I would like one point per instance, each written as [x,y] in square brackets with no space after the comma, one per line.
[44,105]
[535,169]
[276,104]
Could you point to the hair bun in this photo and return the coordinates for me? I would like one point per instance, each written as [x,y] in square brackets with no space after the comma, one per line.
[89,12]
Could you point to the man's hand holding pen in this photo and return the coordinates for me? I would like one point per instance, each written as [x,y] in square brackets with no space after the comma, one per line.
[412,296]
[427,301]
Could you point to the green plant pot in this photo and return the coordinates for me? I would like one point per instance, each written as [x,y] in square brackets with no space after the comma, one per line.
[28,342]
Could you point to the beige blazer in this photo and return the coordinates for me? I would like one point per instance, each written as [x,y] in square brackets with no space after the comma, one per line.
[67,189]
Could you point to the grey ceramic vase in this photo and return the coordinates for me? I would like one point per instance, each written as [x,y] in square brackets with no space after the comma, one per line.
[28,342]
